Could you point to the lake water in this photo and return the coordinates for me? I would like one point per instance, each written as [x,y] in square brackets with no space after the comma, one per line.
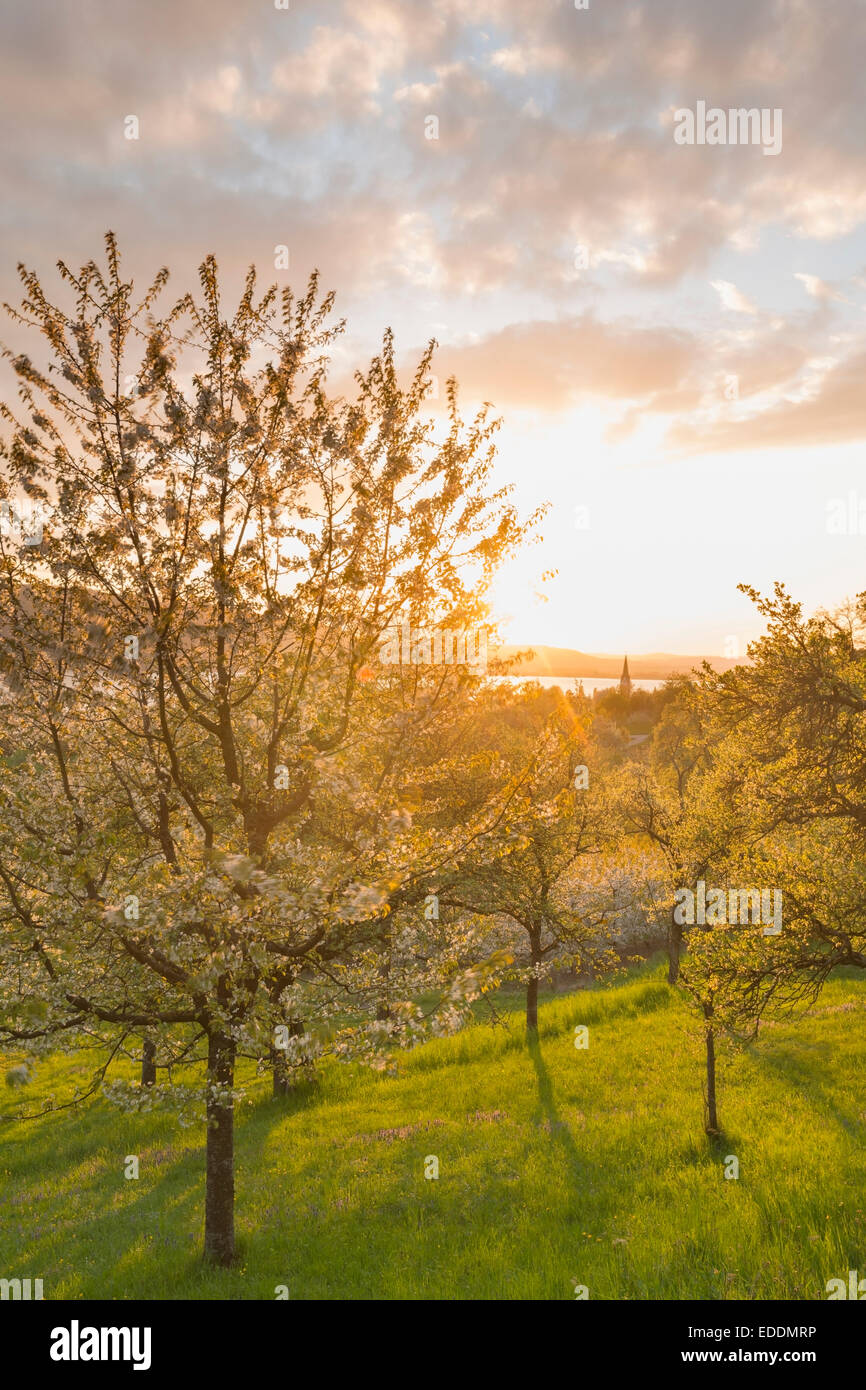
[590,683]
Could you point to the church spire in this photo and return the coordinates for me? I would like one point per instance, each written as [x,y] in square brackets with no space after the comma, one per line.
[625,679]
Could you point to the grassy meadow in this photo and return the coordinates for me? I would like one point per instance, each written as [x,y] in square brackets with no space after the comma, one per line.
[557,1166]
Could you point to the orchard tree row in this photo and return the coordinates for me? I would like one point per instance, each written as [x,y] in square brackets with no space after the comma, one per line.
[229,831]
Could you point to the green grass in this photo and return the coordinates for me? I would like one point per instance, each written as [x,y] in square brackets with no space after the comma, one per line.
[557,1166]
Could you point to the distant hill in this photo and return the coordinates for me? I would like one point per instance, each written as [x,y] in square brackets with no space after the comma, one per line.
[565,661]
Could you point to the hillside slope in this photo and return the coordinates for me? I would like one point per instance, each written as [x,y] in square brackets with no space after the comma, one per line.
[557,1166]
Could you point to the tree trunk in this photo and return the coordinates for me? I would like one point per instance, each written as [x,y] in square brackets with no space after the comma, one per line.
[712,1118]
[532,1006]
[383,1008]
[675,942]
[281,1071]
[219,1205]
[532,986]
[148,1062]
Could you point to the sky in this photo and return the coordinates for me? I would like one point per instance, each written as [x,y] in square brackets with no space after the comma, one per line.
[674,335]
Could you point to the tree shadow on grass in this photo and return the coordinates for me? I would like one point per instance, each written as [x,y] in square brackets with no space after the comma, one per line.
[109,1229]
[558,1128]
[805,1075]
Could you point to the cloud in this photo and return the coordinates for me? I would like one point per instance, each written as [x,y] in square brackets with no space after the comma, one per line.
[552,365]
[551,120]
[835,413]
[306,128]
[732,298]
[817,288]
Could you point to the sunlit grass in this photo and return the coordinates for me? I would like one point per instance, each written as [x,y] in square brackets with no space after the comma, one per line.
[557,1166]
